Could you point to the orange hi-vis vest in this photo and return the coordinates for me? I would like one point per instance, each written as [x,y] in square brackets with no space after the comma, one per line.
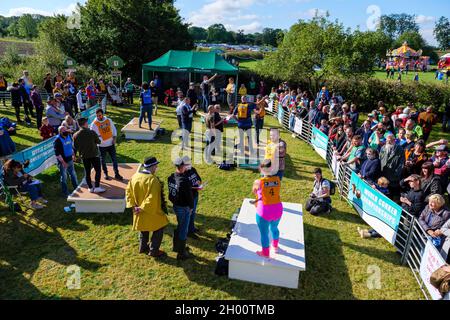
[242,111]
[270,190]
[104,128]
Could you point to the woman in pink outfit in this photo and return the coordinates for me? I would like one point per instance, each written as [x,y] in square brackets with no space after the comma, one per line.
[269,208]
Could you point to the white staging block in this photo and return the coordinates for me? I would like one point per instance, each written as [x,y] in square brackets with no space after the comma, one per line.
[133,132]
[280,269]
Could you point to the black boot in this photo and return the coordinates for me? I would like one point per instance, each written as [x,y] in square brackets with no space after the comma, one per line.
[183,254]
[143,243]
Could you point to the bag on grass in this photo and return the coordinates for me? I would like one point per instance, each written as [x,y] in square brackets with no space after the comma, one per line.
[221,266]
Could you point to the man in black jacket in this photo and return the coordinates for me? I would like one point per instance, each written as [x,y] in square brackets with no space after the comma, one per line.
[180,194]
[27,105]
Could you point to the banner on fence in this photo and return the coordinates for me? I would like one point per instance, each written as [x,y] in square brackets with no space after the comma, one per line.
[270,106]
[41,157]
[280,114]
[380,212]
[298,126]
[319,141]
[431,261]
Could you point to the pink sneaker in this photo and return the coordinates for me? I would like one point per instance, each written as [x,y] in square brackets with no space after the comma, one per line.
[265,253]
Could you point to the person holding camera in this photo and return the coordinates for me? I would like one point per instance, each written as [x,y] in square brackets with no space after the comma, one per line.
[319,201]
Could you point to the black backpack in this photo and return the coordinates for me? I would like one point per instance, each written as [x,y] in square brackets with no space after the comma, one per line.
[332,187]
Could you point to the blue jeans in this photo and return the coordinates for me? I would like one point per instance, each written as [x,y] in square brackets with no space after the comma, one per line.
[34,190]
[205,102]
[291,121]
[280,174]
[183,217]
[192,218]
[146,108]
[264,227]
[73,176]
[112,153]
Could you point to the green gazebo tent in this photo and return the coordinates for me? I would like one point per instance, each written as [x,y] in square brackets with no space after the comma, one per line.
[190,62]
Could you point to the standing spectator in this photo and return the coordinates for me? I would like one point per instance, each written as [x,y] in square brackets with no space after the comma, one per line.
[80,103]
[192,94]
[431,183]
[262,89]
[210,133]
[319,201]
[187,117]
[392,159]
[46,130]
[196,183]
[65,155]
[38,105]
[252,87]
[354,116]
[16,100]
[27,106]
[58,77]
[181,196]
[411,126]
[231,94]
[260,113]
[114,94]
[427,120]
[85,143]
[48,86]
[129,90]
[371,167]
[354,156]
[145,195]
[243,114]
[414,159]
[54,114]
[434,216]
[446,117]
[413,200]
[155,93]
[365,132]
[440,161]
[3,88]
[205,88]
[159,87]
[107,132]
[91,92]
[242,90]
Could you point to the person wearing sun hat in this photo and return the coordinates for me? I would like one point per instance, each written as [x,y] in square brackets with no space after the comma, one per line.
[145,195]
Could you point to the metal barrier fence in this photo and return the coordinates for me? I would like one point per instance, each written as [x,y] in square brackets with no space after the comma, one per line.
[410,240]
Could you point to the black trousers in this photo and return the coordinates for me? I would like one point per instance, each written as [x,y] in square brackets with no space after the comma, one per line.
[155,242]
[39,112]
[28,107]
[17,110]
[316,207]
[88,165]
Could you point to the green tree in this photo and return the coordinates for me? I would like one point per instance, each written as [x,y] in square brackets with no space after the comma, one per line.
[396,24]
[27,27]
[217,33]
[413,38]
[13,29]
[198,33]
[442,32]
[271,36]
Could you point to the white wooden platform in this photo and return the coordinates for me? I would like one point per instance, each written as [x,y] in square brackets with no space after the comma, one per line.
[133,132]
[111,201]
[282,269]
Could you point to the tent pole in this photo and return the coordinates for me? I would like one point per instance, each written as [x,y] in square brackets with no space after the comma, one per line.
[236,90]
[142,76]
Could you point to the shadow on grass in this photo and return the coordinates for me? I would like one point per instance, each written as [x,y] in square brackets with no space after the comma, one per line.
[24,246]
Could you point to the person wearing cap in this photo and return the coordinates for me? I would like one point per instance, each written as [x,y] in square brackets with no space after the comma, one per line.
[85,143]
[319,201]
[196,181]
[54,114]
[63,147]
[413,201]
[181,196]
[107,133]
[36,100]
[269,208]
[145,195]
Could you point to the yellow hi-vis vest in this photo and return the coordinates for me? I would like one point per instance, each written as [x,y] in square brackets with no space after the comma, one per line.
[270,151]
[105,129]
[242,111]
[270,190]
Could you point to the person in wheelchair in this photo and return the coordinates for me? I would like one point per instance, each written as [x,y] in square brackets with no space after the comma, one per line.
[15,176]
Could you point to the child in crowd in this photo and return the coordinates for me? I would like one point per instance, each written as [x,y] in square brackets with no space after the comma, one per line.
[46,130]
[382,186]
[70,124]
[401,137]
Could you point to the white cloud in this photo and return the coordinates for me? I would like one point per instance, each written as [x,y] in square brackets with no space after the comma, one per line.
[427,34]
[421,19]
[27,10]
[227,12]
[311,13]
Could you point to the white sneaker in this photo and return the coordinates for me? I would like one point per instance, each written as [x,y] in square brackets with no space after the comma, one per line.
[99,190]
[91,190]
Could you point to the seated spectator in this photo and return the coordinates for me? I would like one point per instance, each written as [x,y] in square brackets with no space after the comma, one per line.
[46,130]
[15,176]
[114,93]
[371,168]
[431,183]
[413,201]
[7,145]
[414,159]
[433,218]
[319,201]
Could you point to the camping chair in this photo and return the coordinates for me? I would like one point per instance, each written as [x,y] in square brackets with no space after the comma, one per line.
[8,192]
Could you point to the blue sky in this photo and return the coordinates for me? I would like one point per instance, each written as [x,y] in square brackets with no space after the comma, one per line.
[253,15]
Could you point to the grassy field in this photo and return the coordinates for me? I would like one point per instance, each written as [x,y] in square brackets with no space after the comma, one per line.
[37,247]
[23,46]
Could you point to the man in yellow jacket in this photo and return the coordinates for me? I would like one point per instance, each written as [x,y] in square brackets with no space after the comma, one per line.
[145,196]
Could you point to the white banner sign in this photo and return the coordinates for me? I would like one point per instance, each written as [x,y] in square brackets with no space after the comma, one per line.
[431,261]
[270,106]
[298,126]
[335,165]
